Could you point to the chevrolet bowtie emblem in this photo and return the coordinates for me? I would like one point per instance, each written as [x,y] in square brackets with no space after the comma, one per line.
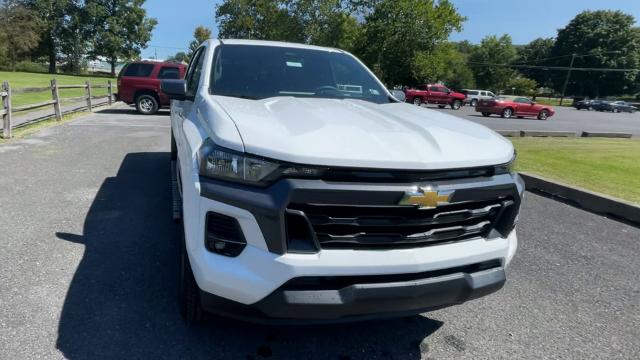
[426,198]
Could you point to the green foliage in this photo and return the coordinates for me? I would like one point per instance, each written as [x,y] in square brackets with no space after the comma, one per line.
[520,85]
[200,35]
[602,39]
[119,28]
[180,57]
[29,66]
[536,53]
[19,33]
[444,64]
[486,59]
[396,30]
[258,19]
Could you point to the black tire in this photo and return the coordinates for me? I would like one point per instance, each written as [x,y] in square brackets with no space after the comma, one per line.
[456,104]
[486,114]
[417,101]
[507,113]
[543,115]
[442,106]
[188,291]
[474,102]
[146,104]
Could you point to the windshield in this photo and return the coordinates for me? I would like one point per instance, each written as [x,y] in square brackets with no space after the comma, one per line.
[259,72]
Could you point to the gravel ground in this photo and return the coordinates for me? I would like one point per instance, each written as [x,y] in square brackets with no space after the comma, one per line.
[88,269]
[565,119]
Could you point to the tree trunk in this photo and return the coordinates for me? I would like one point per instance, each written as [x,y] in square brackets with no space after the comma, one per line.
[52,56]
[113,66]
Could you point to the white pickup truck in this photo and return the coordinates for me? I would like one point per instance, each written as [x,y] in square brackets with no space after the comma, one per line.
[308,192]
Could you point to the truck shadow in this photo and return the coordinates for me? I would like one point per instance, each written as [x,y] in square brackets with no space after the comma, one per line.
[121,302]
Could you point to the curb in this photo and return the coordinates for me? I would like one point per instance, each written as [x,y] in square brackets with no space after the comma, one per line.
[588,200]
[528,133]
[591,134]
[606,134]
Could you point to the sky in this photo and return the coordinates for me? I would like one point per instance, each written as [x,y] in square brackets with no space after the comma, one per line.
[524,20]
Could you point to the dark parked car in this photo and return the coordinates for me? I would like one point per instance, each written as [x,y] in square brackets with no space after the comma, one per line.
[139,84]
[614,106]
[585,104]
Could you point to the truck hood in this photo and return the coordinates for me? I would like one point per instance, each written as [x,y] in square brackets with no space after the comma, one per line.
[356,133]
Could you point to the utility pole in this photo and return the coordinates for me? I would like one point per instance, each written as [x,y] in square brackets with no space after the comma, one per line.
[566,81]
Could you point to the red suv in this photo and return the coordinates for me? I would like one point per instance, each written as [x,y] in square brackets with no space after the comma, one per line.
[435,94]
[139,84]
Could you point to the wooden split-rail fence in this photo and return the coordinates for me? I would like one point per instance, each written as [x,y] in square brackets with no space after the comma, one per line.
[7,111]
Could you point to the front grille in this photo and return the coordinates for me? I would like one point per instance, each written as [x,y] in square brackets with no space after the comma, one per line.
[385,227]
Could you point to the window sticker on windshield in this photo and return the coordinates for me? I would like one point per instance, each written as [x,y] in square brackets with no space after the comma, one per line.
[294,64]
[374,92]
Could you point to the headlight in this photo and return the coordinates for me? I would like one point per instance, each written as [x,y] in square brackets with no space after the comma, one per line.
[509,167]
[225,164]
[222,163]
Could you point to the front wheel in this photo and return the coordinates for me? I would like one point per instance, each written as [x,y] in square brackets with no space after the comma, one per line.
[474,102]
[543,115]
[507,113]
[189,293]
[456,104]
[146,104]
[417,101]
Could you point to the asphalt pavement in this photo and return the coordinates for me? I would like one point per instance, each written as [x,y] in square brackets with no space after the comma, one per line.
[89,260]
[565,119]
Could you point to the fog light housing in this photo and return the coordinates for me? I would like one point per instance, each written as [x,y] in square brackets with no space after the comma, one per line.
[223,235]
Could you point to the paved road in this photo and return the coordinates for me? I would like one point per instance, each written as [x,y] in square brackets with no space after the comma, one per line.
[566,119]
[88,270]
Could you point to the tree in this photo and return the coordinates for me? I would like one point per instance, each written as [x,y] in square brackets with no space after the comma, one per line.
[520,85]
[200,35]
[326,22]
[396,30]
[537,53]
[445,64]
[19,32]
[119,28]
[490,62]
[601,39]
[52,17]
[258,19]
[179,57]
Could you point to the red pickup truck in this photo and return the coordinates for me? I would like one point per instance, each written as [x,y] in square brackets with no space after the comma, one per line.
[139,84]
[435,94]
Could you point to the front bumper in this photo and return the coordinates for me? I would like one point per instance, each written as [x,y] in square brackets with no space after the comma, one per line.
[264,266]
[362,301]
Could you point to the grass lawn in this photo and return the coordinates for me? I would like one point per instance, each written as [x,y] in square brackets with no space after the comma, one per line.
[608,166]
[23,79]
[553,101]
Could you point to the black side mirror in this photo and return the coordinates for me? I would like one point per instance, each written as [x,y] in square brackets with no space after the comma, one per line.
[175,89]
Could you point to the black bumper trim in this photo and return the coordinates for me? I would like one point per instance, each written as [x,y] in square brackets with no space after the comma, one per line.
[361,301]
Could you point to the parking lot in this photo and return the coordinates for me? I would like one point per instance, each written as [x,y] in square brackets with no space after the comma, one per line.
[565,119]
[88,266]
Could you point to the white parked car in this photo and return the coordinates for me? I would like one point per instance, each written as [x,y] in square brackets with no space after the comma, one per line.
[308,192]
[473,96]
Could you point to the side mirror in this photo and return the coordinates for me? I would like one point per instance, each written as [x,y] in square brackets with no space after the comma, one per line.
[175,89]
[399,95]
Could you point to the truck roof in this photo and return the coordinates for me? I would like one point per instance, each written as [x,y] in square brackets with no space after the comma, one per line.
[275,43]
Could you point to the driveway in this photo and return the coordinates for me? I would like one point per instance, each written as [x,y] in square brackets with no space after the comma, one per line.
[88,269]
[565,119]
